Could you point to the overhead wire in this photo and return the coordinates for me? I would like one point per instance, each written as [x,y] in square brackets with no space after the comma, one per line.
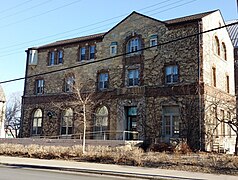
[83,27]
[119,55]
[16,6]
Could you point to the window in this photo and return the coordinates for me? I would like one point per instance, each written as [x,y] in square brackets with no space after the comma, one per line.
[55,57]
[40,86]
[91,52]
[223,51]
[134,45]
[52,59]
[60,57]
[229,126]
[67,122]
[113,48]
[222,124]
[82,53]
[217,46]
[33,57]
[101,122]
[153,40]
[133,77]
[103,81]
[37,122]
[215,121]
[171,74]
[171,123]
[214,77]
[69,84]
[227,84]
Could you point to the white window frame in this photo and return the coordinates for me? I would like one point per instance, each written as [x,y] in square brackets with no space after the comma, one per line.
[33,57]
[153,38]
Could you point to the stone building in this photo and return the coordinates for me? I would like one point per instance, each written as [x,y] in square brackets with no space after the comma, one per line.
[147,79]
[2,112]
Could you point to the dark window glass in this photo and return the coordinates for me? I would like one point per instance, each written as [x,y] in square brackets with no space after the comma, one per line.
[133,77]
[92,52]
[171,74]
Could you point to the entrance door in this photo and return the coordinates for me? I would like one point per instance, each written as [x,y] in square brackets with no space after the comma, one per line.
[131,118]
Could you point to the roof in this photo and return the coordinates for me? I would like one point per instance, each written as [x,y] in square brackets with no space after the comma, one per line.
[73,40]
[189,18]
[101,35]
[134,12]
[2,95]
[233,32]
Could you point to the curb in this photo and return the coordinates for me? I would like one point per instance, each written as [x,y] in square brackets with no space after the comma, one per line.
[101,172]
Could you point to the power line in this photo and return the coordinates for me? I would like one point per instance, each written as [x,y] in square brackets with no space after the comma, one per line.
[96,24]
[25,10]
[46,12]
[16,6]
[119,55]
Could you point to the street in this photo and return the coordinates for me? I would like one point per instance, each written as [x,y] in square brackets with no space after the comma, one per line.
[13,173]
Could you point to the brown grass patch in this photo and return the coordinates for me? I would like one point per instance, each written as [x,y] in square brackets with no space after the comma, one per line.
[202,162]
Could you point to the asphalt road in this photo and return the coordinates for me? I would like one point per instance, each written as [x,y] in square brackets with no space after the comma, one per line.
[18,173]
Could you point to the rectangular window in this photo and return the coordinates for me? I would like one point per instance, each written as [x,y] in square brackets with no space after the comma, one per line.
[103,81]
[171,74]
[69,84]
[133,77]
[222,124]
[52,58]
[171,123]
[113,48]
[82,53]
[60,57]
[214,83]
[40,86]
[227,84]
[91,52]
[33,57]
[229,119]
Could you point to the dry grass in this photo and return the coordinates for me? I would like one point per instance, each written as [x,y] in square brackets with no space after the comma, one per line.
[202,162]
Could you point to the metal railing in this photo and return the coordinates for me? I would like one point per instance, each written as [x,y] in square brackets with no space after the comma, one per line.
[98,135]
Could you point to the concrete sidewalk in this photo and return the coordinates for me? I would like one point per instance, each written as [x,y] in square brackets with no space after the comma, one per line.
[108,169]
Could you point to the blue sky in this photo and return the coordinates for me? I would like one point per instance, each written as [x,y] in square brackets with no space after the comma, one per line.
[28,23]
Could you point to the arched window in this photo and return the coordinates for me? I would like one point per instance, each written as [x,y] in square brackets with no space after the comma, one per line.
[67,122]
[217,46]
[101,122]
[223,51]
[37,122]
[134,45]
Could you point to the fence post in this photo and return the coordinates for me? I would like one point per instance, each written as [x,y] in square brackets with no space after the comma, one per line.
[123,136]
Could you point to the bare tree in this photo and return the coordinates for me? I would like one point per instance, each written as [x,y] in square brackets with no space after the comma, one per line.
[228,104]
[80,99]
[13,114]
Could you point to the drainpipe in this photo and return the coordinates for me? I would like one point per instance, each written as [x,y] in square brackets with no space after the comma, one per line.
[199,89]
[24,93]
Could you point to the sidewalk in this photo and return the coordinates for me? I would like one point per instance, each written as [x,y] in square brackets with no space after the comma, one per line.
[108,169]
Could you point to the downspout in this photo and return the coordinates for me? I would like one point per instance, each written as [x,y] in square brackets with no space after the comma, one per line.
[199,89]
[24,93]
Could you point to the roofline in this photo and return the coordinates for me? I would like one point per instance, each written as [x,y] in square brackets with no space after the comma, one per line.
[100,35]
[134,12]
[193,20]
